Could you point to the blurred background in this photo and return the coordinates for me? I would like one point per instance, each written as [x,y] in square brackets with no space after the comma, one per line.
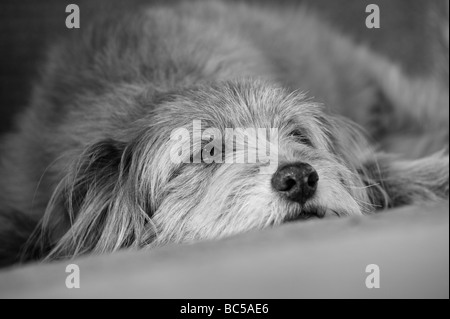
[410,35]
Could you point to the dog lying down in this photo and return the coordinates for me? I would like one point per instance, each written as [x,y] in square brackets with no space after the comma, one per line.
[125,142]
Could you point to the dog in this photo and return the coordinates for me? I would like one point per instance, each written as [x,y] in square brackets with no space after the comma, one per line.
[90,169]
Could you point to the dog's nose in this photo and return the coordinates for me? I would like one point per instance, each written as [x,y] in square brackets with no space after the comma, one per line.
[297,181]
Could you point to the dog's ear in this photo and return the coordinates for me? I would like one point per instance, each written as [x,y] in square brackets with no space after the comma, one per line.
[394,182]
[97,207]
[406,113]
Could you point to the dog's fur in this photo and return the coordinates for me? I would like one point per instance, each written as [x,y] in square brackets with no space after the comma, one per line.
[89,168]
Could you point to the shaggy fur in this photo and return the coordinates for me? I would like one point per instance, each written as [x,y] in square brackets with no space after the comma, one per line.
[89,167]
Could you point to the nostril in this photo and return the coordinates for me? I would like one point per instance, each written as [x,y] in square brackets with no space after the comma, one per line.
[290,183]
[313,179]
[283,182]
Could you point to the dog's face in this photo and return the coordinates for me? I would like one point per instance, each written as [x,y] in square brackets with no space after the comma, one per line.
[208,192]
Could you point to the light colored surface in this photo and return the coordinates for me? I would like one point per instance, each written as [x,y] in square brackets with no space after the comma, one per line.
[325,258]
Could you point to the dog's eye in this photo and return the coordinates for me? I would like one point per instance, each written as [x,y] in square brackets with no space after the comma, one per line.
[301,138]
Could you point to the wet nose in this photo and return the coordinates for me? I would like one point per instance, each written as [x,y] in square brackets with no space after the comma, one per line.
[298,182]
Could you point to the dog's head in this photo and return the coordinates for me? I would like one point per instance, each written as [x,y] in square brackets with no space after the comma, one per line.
[212,161]
[224,159]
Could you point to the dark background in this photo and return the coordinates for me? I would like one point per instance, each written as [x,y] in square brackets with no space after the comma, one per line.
[407,36]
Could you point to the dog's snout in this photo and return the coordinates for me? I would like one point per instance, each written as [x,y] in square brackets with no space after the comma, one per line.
[297,181]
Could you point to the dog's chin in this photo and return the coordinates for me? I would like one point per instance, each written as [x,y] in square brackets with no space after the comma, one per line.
[317,212]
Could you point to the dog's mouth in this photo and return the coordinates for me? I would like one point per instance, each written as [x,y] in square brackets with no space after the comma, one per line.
[312,213]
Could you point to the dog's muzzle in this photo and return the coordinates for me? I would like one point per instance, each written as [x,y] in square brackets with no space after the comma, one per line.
[297,182]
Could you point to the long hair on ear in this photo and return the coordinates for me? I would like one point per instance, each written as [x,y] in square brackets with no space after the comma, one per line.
[408,182]
[351,145]
[96,208]
[390,180]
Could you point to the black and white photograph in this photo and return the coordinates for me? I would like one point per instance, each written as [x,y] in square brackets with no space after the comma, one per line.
[232,156]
